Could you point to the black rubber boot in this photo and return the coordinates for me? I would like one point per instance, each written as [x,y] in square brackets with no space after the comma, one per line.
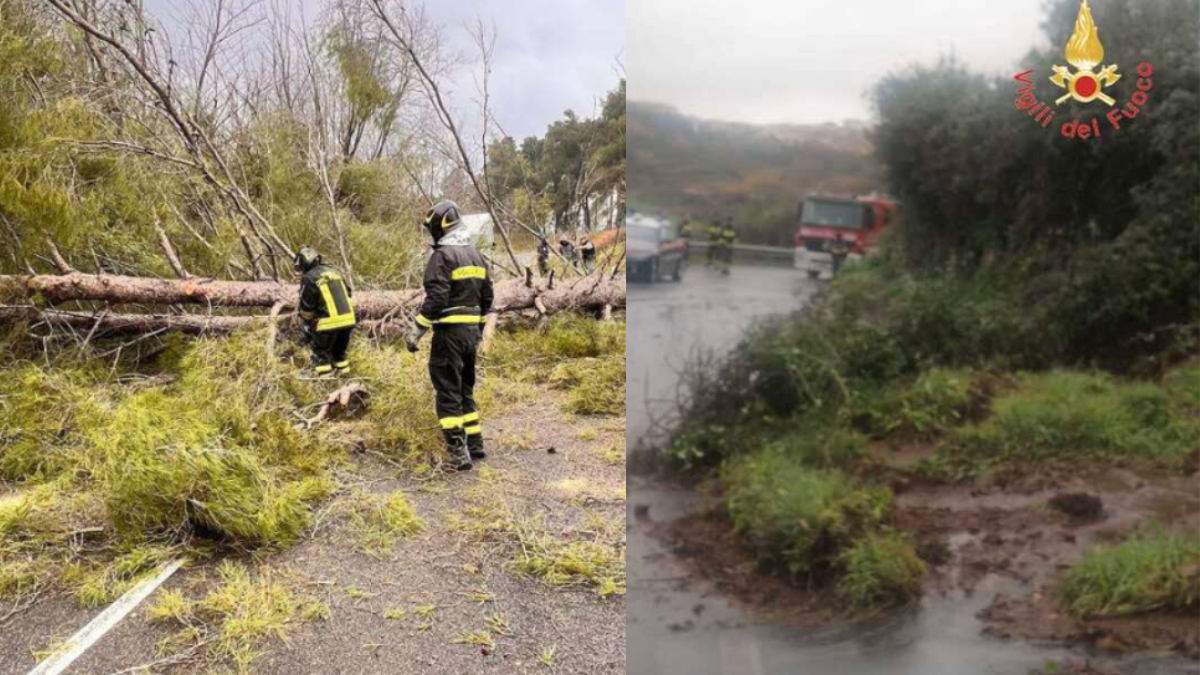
[475,446]
[456,448]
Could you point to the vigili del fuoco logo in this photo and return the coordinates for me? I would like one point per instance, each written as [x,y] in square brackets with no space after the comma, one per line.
[1090,83]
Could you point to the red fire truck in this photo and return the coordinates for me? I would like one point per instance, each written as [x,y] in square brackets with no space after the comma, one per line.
[833,229]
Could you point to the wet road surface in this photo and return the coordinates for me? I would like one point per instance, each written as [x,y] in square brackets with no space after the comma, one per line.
[678,624]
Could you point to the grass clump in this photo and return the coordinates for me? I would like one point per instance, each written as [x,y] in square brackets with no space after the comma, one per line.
[574,352]
[477,638]
[565,336]
[1149,571]
[596,385]
[1183,386]
[796,516]
[112,579]
[1067,415]
[598,563]
[18,578]
[381,520]
[880,570]
[937,401]
[239,615]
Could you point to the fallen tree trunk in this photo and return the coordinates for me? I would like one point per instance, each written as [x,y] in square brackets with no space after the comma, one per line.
[592,292]
[377,316]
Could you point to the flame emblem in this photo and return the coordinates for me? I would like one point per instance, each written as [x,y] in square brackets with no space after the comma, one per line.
[1085,52]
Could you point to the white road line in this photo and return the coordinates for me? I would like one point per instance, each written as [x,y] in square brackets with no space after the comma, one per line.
[63,657]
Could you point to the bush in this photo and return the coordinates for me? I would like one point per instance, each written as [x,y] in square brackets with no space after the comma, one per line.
[1183,386]
[1068,414]
[881,570]
[1147,572]
[938,400]
[799,517]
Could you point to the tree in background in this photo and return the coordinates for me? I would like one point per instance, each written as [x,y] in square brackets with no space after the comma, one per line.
[1103,235]
[559,179]
[235,137]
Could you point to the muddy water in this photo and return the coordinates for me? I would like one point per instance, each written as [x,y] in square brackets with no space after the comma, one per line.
[679,624]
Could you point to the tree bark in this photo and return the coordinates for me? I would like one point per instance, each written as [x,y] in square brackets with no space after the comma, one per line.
[513,294]
[385,311]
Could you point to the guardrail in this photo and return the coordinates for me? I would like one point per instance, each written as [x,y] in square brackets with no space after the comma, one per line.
[785,257]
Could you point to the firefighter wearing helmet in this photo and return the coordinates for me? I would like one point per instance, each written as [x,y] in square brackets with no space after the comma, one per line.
[458,298]
[326,312]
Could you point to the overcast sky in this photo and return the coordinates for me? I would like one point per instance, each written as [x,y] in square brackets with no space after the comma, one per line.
[802,61]
[550,55]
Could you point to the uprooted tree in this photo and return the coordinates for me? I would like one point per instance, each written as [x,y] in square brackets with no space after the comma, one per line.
[207,150]
[385,310]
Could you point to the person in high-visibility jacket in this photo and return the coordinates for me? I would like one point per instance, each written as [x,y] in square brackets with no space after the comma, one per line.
[326,312]
[714,241]
[458,298]
[728,239]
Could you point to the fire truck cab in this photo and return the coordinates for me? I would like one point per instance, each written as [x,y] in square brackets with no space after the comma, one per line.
[838,227]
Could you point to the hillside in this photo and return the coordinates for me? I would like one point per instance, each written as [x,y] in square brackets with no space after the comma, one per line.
[756,174]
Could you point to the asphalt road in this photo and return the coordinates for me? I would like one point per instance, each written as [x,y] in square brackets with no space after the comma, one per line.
[679,624]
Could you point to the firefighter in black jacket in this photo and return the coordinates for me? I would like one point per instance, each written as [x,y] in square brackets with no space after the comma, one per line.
[326,311]
[458,297]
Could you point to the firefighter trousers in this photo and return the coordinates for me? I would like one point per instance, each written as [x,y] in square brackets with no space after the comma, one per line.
[452,369]
[329,349]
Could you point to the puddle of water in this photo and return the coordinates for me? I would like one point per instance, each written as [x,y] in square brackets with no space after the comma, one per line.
[676,624]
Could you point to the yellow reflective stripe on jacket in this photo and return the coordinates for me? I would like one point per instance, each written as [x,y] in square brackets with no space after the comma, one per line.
[471,431]
[449,423]
[336,319]
[462,319]
[334,323]
[468,272]
[470,417]
[423,322]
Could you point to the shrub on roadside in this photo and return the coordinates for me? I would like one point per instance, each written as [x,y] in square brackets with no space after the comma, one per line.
[1067,414]
[1146,572]
[935,402]
[799,517]
[881,570]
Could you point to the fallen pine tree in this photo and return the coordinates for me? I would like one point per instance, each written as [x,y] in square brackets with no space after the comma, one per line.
[28,298]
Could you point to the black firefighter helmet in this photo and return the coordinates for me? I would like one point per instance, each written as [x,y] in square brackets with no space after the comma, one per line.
[306,259]
[442,218]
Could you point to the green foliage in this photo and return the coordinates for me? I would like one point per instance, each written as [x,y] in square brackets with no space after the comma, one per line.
[111,580]
[1149,571]
[382,520]
[937,401]
[558,562]
[402,419]
[557,177]
[881,570]
[798,517]
[1103,238]
[597,386]
[573,352]
[564,336]
[1183,386]
[39,413]
[1065,415]
[240,614]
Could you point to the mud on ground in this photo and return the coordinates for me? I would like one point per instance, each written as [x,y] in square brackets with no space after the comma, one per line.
[1013,527]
